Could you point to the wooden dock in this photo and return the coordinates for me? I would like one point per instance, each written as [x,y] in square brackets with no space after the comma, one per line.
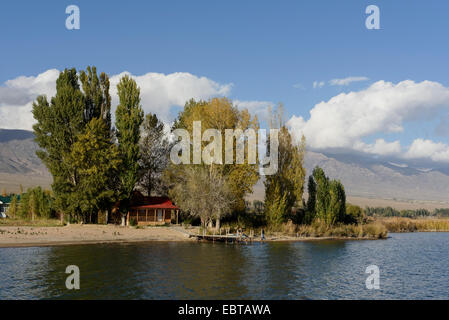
[228,238]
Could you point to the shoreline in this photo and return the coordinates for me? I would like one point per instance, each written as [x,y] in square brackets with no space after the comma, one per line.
[30,236]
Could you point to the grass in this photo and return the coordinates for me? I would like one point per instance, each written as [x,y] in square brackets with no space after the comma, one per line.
[415,225]
[319,229]
[28,223]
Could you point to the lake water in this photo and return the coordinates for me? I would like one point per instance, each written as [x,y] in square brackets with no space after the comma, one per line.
[412,266]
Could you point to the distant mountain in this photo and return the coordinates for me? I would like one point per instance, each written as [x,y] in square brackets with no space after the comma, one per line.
[19,164]
[374,178]
[362,176]
[18,153]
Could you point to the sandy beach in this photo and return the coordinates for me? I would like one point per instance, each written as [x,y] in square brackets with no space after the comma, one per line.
[84,234]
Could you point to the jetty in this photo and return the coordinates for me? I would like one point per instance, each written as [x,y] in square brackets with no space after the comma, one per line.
[227,238]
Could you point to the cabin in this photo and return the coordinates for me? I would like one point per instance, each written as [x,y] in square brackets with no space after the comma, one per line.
[148,211]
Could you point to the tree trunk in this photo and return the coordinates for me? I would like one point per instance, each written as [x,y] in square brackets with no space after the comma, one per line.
[211,223]
[123,220]
[217,224]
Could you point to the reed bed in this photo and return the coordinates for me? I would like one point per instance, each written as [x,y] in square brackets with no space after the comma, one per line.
[415,225]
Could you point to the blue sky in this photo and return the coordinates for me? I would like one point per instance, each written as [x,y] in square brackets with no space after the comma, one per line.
[269,51]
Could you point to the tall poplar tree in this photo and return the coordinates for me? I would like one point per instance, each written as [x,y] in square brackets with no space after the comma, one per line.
[60,124]
[129,118]
[284,189]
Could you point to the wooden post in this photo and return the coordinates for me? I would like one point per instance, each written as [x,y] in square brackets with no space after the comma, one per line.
[177,211]
[127,220]
[146,215]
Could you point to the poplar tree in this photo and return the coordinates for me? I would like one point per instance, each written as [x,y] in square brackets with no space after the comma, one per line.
[311,200]
[59,125]
[285,188]
[129,118]
[322,194]
[97,160]
[154,156]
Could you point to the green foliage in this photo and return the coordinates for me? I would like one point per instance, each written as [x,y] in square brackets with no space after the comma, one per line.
[277,208]
[59,126]
[327,199]
[97,161]
[311,201]
[354,214]
[337,202]
[132,222]
[34,204]
[284,189]
[322,194]
[13,207]
[129,118]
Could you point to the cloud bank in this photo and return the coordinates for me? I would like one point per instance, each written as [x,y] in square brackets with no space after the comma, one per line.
[159,93]
[347,119]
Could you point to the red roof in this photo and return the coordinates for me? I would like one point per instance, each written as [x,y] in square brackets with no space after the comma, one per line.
[154,203]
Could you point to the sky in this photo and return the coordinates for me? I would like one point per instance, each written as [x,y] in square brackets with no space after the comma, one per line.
[379,93]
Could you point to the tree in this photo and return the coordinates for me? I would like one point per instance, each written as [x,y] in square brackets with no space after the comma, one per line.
[220,114]
[354,214]
[61,122]
[311,200]
[97,161]
[12,210]
[154,156]
[328,197]
[97,99]
[36,203]
[202,193]
[129,118]
[322,194]
[284,189]
[337,202]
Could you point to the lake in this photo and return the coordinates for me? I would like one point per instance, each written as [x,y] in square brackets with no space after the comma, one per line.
[412,266]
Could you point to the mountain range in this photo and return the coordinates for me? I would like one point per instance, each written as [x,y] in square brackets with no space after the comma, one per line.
[363,177]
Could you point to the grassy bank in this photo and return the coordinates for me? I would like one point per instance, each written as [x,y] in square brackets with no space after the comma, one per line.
[319,229]
[29,223]
[415,225]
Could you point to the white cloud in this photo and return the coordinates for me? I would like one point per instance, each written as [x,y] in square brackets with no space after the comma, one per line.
[17,96]
[318,84]
[159,93]
[298,86]
[425,149]
[346,119]
[346,81]
[255,107]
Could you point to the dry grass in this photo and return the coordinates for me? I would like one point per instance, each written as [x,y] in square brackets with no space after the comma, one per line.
[9,222]
[415,225]
[318,229]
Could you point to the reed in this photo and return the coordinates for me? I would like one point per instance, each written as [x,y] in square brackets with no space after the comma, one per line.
[415,225]
[319,229]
